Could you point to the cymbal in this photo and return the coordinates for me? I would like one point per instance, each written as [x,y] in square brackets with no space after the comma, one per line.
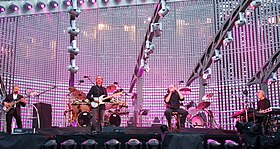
[79,94]
[185,91]
[111,88]
[203,105]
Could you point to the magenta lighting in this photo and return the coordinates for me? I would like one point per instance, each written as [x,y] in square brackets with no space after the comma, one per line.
[13,7]
[67,2]
[81,2]
[41,5]
[92,1]
[53,4]
[2,9]
[106,1]
[27,6]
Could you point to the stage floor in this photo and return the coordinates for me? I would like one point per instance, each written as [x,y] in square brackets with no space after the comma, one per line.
[187,138]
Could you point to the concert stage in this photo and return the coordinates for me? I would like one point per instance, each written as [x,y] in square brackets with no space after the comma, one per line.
[188,138]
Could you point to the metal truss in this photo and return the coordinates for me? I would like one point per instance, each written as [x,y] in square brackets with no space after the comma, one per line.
[206,59]
[270,66]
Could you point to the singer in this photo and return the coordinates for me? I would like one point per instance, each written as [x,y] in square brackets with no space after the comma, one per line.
[263,102]
[172,100]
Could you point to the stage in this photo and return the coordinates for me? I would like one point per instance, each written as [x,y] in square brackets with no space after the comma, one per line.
[187,138]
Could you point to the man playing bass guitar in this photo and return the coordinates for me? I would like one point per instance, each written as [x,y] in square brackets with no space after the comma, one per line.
[12,105]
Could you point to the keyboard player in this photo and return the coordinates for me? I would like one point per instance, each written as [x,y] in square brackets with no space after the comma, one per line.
[262,104]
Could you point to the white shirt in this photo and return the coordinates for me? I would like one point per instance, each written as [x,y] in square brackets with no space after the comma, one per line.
[15,97]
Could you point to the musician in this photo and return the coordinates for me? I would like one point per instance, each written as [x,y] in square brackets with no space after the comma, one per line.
[263,103]
[15,110]
[97,91]
[274,142]
[172,100]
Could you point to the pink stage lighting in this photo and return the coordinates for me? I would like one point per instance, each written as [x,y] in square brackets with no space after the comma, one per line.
[81,2]
[92,1]
[13,7]
[2,9]
[67,2]
[27,6]
[41,5]
[106,1]
[53,4]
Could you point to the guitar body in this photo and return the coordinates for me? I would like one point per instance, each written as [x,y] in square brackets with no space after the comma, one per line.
[7,108]
[100,100]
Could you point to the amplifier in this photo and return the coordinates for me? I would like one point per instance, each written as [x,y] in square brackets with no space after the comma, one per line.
[24,130]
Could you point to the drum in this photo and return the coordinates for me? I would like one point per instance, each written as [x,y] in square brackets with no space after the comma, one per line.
[113,119]
[192,108]
[197,121]
[84,119]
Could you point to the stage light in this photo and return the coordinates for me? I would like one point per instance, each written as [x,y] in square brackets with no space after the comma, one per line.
[133,144]
[217,56]
[72,67]
[207,73]
[27,6]
[68,144]
[89,144]
[2,9]
[51,144]
[81,2]
[255,4]
[40,5]
[112,144]
[241,21]
[144,66]
[154,143]
[13,7]
[53,4]
[91,1]
[156,28]
[67,2]
[272,79]
[150,47]
[105,1]
[73,48]
[164,9]
[230,143]
[213,143]
[228,39]
[74,12]
[73,30]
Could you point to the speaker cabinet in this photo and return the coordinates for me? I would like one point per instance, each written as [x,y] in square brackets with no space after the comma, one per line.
[45,115]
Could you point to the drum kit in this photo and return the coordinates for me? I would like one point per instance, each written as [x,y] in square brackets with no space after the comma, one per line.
[79,108]
[199,116]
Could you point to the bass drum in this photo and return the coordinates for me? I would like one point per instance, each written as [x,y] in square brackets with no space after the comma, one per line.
[197,121]
[113,119]
[84,119]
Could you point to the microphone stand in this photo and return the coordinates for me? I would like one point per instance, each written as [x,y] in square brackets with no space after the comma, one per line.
[39,94]
[90,80]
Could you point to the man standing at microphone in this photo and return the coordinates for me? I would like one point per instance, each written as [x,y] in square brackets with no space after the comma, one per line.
[172,100]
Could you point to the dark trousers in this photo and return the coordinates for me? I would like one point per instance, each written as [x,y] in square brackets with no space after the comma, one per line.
[9,118]
[97,118]
[181,111]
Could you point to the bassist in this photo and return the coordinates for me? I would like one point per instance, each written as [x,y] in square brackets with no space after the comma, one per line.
[14,109]
[98,112]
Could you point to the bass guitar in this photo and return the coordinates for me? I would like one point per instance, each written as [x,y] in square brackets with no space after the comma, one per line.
[10,105]
[101,99]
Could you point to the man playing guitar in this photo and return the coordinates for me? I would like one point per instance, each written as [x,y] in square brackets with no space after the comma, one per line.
[12,105]
[95,92]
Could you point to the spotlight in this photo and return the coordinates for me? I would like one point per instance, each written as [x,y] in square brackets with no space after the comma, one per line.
[51,144]
[74,12]
[89,144]
[153,143]
[230,143]
[72,67]
[81,2]
[228,39]
[2,9]
[144,66]
[207,73]
[156,28]
[217,56]
[242,21]
[150,47]
[272,79]
[13,7]
[41,5]
[213,143]
[91,1]
[133,144]
[73,48]
[73,30]
[112,144]
[27,6]
[67,3]
[68,144]
[105,1]
[164,9]
[255,4]
[53,4]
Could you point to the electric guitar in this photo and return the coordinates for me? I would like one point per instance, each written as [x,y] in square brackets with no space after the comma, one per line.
[10,105]
[101,99]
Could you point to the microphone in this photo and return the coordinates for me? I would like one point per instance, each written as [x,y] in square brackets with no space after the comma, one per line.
[81,81]
[181,81]
[116,83]
[86,76]
[54,87]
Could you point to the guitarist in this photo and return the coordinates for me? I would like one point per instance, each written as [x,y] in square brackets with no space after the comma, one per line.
[97,91]
[15,109]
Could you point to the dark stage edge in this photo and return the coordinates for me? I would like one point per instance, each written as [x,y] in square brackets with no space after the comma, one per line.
[187,139]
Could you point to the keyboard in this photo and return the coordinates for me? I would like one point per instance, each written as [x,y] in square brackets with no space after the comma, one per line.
[271,110]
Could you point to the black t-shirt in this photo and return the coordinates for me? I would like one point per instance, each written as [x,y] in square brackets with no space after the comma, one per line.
[263,104]
[97,91]
[174,101]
